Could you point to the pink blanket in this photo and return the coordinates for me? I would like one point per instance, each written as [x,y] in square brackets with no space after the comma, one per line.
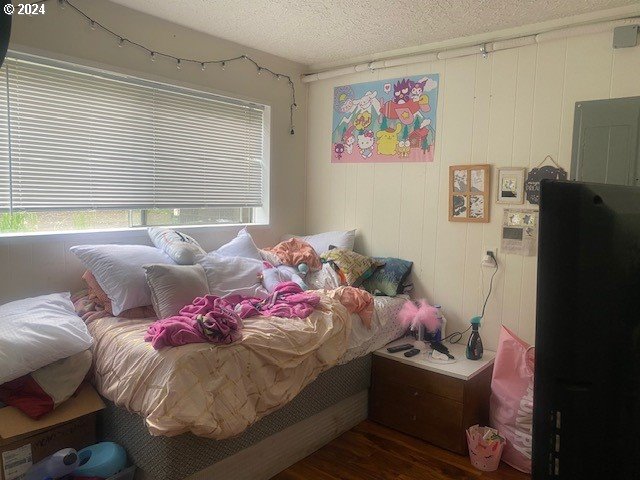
[219,320]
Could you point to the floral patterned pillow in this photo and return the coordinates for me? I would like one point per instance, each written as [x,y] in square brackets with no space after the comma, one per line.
[354,267]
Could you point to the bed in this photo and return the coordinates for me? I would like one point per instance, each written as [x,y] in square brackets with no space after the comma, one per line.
[171,436]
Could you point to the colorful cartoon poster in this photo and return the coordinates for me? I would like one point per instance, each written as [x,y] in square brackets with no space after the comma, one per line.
[385,121]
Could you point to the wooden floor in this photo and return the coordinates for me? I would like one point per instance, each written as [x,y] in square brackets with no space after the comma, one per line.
[373,452]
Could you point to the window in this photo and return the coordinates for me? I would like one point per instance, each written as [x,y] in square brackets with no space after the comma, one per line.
[82,148]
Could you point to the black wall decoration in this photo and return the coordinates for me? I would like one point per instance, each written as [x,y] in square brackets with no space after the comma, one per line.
[5,30]
[536,175]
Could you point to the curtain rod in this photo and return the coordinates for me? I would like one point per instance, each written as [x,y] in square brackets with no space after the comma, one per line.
[482,49]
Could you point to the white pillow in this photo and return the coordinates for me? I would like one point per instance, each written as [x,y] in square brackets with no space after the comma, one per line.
[241,246]
[321,241]
[182,248]
[118,270]
[35,332]
[231,275]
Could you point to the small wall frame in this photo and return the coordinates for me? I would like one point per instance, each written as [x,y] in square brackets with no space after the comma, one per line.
[469,193]
[511,185]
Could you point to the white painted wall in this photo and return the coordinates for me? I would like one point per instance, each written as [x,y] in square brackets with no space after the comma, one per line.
[511,109]
[41,264]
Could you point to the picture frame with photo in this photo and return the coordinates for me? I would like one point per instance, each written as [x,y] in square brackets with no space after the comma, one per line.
[469,193]
[511,185]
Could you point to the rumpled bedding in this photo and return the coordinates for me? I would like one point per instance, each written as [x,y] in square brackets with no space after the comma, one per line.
[219,319]
[356,301]
[215,391]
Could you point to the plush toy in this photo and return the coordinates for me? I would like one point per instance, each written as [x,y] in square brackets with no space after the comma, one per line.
[273,276]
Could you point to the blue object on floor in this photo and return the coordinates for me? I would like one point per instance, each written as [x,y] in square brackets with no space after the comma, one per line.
[102,460]
[57,465]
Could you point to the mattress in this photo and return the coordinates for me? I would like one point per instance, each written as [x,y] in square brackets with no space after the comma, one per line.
[217,392]
[385,327]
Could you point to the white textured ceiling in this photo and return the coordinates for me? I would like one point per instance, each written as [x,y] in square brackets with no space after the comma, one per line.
[322,31]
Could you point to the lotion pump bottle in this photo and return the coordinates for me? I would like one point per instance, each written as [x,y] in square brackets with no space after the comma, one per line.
[474,345]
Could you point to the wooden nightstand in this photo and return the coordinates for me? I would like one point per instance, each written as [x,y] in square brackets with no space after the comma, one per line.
[431,401]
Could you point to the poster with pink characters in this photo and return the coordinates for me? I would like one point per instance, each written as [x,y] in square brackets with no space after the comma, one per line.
[385,121]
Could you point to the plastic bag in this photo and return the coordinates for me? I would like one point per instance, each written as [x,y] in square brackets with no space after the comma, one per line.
[511,410]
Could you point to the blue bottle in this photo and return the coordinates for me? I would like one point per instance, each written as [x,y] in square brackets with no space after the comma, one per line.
[474,345]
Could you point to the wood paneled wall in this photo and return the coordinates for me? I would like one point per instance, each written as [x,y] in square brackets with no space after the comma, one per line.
[510,109]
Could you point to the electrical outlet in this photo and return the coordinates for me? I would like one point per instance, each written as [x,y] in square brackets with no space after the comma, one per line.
[487,261]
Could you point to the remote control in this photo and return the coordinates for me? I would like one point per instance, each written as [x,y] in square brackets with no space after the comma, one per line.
[412,352]
[399,348]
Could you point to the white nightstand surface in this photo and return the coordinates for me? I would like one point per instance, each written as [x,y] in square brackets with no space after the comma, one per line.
[463,368]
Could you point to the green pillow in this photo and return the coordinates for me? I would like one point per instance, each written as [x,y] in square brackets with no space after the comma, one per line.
[388,279]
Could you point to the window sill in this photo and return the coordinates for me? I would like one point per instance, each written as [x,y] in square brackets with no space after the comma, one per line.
[122,233]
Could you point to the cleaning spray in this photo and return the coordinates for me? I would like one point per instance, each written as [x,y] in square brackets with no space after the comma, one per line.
[474,345]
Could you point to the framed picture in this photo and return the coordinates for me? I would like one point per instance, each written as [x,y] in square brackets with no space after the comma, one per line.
[469,193]
[511,185]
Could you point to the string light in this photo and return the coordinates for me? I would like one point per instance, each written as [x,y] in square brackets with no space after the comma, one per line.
[179,60]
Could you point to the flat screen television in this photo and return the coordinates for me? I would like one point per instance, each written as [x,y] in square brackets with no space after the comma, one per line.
[586,421]
[5,31]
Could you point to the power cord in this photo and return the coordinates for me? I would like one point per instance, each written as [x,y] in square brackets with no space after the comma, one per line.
[455,337]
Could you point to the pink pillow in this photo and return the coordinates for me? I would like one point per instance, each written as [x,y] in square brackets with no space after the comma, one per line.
[294,251]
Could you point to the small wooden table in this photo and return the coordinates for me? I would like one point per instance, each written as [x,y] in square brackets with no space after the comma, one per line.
[434,402]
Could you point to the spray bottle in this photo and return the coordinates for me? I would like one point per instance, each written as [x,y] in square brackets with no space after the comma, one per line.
[474,345]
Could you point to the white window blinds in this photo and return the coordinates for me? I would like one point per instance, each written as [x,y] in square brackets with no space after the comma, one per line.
[72,139]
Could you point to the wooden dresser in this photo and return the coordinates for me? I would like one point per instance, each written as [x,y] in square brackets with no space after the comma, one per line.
[435,402]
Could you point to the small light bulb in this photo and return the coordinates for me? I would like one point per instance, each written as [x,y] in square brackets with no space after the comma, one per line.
[203,66]
[153,56]
[178,64]
[223,64]
[259,71]
[121,42]
[93,24]
[278,77]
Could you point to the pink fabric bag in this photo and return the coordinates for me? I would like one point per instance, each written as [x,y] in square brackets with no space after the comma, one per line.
[512,398]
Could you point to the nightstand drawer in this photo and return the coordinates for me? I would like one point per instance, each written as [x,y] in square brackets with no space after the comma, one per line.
[417,412]
[390,370]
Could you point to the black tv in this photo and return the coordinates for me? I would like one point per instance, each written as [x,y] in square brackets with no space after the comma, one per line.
[586,420]
[5,30]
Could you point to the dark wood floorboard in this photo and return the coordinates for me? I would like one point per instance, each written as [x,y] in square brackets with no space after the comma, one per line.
[373,452]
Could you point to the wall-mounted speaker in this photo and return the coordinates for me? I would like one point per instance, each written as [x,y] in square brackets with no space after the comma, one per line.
[5,30]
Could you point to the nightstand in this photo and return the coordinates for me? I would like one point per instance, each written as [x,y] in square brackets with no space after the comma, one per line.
[434,402]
